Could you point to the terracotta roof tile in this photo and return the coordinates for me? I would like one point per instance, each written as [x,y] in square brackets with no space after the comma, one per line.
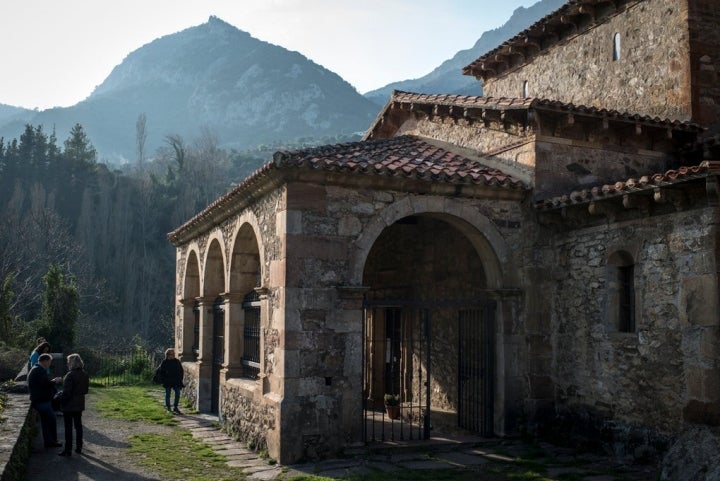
[404,157]
[629,186]
[508,103]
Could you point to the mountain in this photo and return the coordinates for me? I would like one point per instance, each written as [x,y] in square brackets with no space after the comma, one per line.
[8,113]
[212,77]
[448,78]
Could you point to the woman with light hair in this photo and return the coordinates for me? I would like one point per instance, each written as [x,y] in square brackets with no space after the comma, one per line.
[72,402]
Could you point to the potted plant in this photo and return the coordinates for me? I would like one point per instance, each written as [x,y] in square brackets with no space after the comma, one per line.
[392,405]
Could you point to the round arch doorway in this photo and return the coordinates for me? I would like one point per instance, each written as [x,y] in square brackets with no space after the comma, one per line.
[428,332]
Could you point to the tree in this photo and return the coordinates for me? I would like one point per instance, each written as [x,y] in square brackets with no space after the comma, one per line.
[140,138]
[7,296]
[79,152]
[60,309]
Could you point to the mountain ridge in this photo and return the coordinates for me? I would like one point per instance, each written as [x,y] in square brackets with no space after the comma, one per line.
[447,78]
[212,77]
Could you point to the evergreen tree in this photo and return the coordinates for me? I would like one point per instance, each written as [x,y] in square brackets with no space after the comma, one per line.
[60,309]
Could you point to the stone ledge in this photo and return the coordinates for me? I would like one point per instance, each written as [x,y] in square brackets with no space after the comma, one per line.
[15,437]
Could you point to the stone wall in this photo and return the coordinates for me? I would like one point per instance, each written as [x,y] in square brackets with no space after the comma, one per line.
[666,373]
[16,430]
[651,77]
[246,417]
[704,17]
[565,165]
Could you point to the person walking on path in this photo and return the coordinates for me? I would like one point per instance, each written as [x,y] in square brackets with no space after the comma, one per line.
[170,374]
[72,402]
[42,390]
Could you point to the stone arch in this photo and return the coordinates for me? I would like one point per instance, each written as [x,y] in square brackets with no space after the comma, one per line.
[189,329]
[486,239]
[246,262]
[495,273]
[214,268]
[246,256]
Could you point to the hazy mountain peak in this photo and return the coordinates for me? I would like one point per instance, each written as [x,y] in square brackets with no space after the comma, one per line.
[448,78]
[215,77]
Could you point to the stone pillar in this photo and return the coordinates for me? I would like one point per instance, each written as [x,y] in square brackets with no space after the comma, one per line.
[351,303]
[205,354]
[264,321]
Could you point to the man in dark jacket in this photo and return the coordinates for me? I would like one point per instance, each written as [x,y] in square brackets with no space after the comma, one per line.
[42,390]
[170,373]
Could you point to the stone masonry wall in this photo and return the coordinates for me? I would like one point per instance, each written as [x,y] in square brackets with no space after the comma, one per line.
[565,165]
[322,336]
[705,60]
[666,373]
[651,77]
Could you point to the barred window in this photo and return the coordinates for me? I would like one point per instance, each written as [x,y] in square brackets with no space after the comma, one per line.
[251,336]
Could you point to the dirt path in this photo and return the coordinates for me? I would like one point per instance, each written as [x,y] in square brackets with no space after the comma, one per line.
[104,456]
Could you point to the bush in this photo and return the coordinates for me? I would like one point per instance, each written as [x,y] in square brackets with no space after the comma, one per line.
[12,360]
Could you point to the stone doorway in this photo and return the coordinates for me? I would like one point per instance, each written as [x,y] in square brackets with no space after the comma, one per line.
[426,286]
[440,390]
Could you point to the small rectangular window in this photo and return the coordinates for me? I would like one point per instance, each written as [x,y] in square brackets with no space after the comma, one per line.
[626,298]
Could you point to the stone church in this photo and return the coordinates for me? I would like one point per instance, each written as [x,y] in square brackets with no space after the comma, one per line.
[542,259]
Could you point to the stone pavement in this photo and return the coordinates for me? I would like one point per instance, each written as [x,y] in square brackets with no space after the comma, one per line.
[105,454]
[433,454]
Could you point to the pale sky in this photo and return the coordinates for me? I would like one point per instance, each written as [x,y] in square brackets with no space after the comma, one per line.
[55,52]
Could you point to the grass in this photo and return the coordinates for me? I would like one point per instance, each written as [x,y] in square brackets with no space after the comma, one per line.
[133,403]
[180,456]
[172,456]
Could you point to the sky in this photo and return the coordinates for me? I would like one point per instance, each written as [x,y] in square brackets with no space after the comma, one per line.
[55,52]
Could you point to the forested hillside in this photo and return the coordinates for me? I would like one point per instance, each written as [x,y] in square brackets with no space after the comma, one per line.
[105,228]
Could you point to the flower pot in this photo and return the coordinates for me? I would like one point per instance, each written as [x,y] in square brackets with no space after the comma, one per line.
[393,412]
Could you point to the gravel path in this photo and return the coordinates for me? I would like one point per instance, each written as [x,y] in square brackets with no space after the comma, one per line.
[104,456]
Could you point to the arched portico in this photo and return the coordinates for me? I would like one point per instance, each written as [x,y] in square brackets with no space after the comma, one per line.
[210,355]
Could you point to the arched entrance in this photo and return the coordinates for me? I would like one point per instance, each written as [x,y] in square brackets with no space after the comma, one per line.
[428,332]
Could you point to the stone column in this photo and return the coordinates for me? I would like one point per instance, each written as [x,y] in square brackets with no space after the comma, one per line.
[264,322]
[205,353]
[351,303]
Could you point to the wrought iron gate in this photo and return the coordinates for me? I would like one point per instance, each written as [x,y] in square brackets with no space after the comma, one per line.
[476,355]
[397,362]
[218,353]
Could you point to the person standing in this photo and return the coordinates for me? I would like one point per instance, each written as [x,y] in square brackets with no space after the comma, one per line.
[72,402]
[170,372]
[41,347]
[42,390]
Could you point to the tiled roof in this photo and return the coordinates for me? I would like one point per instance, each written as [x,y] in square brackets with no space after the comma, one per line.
[547,31]
[647,182]
[467,101]
[472,105]
[402,158]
